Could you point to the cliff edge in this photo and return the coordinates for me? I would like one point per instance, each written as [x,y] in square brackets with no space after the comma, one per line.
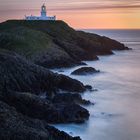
[54,43]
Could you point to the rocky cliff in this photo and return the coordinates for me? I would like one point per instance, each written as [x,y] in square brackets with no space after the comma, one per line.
[27,49]
[54,43]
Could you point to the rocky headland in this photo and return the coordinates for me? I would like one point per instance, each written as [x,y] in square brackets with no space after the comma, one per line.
[27,50]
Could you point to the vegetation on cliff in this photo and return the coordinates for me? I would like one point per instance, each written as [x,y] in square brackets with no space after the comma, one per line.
[53,43]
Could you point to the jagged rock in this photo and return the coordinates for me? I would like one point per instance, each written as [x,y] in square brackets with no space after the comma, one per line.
[89,87]
[69,98]
[73,113]
[69,84]
[85,71]
[15,126]
[18,74]
[54,44]
[36,107]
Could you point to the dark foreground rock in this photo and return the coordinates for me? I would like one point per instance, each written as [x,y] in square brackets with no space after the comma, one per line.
[89,87]
[35,107]
[15,126]
[69,98]
[21,83]
[18,74]
[85,71]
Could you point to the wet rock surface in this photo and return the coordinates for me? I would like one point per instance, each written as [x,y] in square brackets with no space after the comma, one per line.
[52,112]
[18,74]
[85,71]
[69,98]
[21,83]
[15,126]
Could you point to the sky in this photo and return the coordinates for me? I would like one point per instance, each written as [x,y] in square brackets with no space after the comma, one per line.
[80,14]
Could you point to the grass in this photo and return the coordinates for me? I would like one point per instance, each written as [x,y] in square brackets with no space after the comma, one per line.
[51,40]
[24,41]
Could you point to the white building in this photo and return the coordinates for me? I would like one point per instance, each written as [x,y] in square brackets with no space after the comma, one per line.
[43,15]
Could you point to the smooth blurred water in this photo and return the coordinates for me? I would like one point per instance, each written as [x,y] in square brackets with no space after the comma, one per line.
[116,113]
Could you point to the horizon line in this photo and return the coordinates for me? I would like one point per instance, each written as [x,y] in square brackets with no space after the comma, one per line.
[85,28]
[107,28]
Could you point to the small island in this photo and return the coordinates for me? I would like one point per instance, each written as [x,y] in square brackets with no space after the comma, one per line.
[28,50]
[85,71]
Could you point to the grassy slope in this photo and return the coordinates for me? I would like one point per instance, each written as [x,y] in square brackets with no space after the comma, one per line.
[24,41]
[29,38]
[52,42]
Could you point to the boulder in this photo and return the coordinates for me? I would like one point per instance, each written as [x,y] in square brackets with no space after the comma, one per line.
[73,113]
[89,87]
[68,84]
[85,71]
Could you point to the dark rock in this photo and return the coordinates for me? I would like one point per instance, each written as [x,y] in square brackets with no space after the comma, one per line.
[69,98]
[95,89]
[76,138]
[86,102]
[18,74]
[69,84]
[35,107]
[84,71]
[82,63]
[74,113]
[89,87]
[98,45]
[113,44]
[15,126]
[54,44]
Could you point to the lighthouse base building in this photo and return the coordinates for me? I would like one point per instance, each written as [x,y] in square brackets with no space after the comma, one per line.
[43,15]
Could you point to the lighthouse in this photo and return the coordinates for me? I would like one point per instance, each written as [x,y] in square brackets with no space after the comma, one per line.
[43,11]
[43,15]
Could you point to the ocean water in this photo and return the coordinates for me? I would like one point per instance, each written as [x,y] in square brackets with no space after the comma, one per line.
[116,113]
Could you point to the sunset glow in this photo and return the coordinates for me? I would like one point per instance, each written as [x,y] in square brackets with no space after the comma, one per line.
[100,14]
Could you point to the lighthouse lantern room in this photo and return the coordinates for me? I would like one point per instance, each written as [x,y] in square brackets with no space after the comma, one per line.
[43,15]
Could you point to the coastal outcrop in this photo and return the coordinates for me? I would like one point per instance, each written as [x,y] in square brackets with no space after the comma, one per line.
[18,74]
[38,108]
[85,71]
[54,43]
[70,98]
[21,83]
[27,49]
[15,126]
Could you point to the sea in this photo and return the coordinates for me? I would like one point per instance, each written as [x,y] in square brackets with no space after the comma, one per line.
[116,113]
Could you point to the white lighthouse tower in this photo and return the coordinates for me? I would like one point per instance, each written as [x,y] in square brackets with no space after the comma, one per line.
[43,15]
[43,11]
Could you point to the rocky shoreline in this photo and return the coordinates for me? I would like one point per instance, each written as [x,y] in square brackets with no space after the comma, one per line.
[27,49]
[21,83]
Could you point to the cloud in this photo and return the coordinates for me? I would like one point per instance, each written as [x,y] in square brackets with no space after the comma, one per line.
[96,4]
[73,5]
[92,7]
